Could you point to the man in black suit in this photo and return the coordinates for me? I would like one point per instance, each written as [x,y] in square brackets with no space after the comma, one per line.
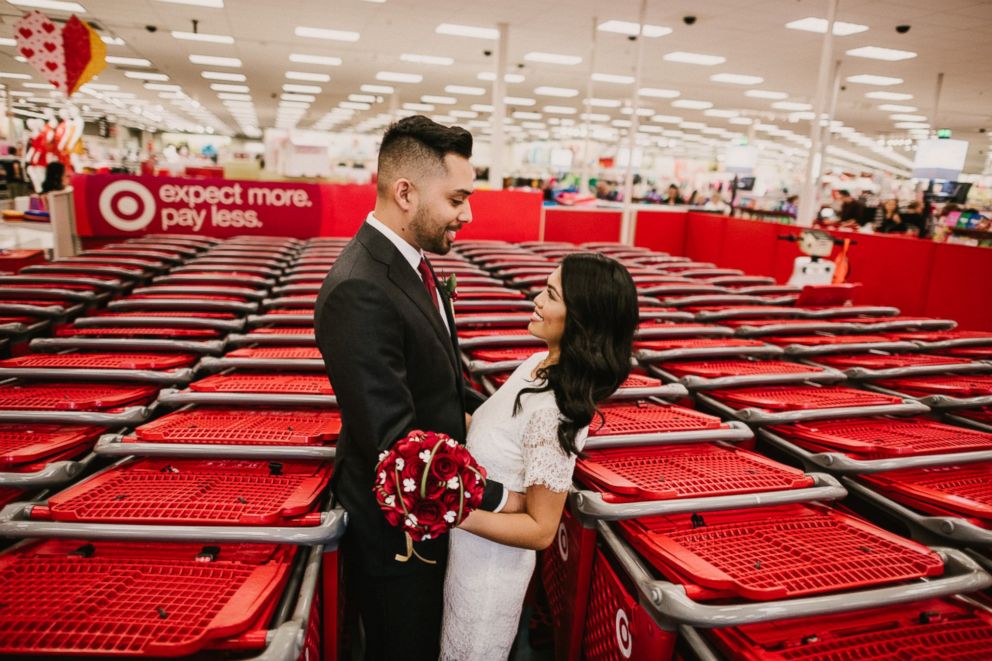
[386,333]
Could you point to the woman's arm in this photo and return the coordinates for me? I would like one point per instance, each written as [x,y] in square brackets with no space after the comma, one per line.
[534,528]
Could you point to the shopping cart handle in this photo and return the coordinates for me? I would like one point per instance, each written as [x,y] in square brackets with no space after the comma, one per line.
[46,344]
[917,370]
[212,365]
[113,445]
[591,503]
[64,294]
[191,304]
[806,350]
[133,415]
[653,356]
[948,402]
[760,416]
[256,320]
[826,375]
[172,377]
[961,575]
[732,432]
[53,474]
[173,397]
[15,521]
[24,310]
[150,319]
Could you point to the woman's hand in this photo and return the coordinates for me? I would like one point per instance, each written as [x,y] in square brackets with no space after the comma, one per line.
[534,528]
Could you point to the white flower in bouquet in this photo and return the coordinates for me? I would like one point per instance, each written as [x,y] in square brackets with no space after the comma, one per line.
[390,500]
[451,442]
[409,484]
[382,477]
[411,520]
[383,454]
[425,455]
[400,463]
[449,516]
[452,483]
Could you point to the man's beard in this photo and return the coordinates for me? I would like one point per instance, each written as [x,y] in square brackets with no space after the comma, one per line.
[429,238]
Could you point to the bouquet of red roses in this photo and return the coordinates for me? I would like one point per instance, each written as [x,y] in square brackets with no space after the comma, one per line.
[427,484]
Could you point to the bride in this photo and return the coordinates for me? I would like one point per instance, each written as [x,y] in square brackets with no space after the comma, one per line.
[527,436]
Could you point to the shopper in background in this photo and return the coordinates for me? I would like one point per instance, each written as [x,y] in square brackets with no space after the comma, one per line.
[791,205]
[386,332]
[527,436]
[891,221]
[913,218]
[673,196]
[850,210]
[55,178]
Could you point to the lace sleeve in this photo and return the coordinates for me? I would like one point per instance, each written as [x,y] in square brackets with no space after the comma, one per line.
[545,463]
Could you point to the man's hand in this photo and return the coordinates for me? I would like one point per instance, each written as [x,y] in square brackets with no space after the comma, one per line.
[515,503]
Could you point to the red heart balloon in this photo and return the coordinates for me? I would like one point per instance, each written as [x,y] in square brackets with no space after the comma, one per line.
[48,27]
[26,32]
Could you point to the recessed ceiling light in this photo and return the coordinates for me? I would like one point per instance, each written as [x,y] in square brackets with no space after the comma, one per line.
[439,100]
[508,77]
[622,123]
[6,41]
[211,4]
[397,77]
[871,79]
[378,89]
[521,114]
[303,58]
[128,61]
[107,39]
[657,93]
[743,121]
[563,92]
[465,89]
[691,104]
[594,117]
[15,76]
[202,36]
[559,110]
[641,112]
[796,116]
[692,125]
[819,25]
[717,112]
[519,101]
[481,107]
[215,61]
[552,58]
[912,125]
[736,79]
[416,58]
[694,58]
[613,78]
[419,107]
[222,87]
[876,53]
[307,76]
[464,114]
[223,75]
[603,103]
[162,87]
[54,5]
[298,97]
[322,33]
[455,30]
[146,75]
[632,29]
[102,86]
[889,96]
[302,89]
[666,119]
[791,105]
[765,94]
[894,107]
[354,105]
[227,96]
[902,117]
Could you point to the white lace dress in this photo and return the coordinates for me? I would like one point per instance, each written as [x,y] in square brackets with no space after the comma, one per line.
[486,582]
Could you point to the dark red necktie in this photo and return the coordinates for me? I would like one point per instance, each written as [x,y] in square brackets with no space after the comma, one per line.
[429,285]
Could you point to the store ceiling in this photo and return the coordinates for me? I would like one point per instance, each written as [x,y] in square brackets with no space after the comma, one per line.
[950,37]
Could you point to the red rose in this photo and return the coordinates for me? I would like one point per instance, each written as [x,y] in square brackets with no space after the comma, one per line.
[444,467]
[429,513]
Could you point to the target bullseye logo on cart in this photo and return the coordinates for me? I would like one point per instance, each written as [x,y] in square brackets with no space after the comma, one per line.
[625,641]
[563,542]
[127,205]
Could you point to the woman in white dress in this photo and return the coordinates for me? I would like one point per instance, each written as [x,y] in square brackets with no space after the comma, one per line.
[527,436]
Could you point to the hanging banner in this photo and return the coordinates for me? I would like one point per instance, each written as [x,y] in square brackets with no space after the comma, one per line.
[117,205]
[67,58]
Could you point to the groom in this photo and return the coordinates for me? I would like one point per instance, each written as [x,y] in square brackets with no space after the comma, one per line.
[386,333]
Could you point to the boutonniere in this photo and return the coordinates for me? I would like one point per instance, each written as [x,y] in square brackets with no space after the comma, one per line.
[450,285]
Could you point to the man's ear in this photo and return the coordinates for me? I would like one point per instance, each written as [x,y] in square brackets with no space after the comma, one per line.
[405,194]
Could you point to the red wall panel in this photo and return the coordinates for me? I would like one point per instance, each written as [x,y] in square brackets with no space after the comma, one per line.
[749,246]
[704,233]
[661,230]
[504,214]
[347,206]
[958,286]
[581,226]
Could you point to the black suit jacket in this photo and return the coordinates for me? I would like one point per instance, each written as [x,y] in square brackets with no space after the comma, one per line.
[394,367]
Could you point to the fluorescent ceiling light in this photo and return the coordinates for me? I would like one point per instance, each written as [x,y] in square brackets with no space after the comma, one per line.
[419,107]
[622,123]
[128,61]
[464,114]
[509,77]
[223,87]
[902,117]
[716,112]
[6,41]
[691,104]
[743,121]
[303,89]
[522,114]
[658,93]
[454,30]
[439,100]
[765,94]
[613,78]
[563,92]
[912,125]
[163,87]
[552,58]
[298,97]
[54,5]
[362,98]
[594,117]
[518,101]
[354,105]
[894,107]
[465,89]
[791,105]
[306,75]
[322,33]
[641,112]
[102,86]
[212,4]
[223,75]
[603,103]
[378,89]
[15,76]
[397,77]
[889,96]
[632,29]
[876,53]
[560,110]
[303,58]
[416,58]
[736,79]
[533,125]
[107,39]
[146,75]
[228,96]
[796,116]
[819,25]
[481,107]
[215,61]
[293,104]
[871,79]
[202,36]
[666,119]
[694,58]
[692,125]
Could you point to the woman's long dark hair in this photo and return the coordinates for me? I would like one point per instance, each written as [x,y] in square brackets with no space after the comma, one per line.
[600,319]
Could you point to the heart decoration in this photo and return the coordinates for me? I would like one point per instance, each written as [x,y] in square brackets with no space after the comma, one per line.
[67,58]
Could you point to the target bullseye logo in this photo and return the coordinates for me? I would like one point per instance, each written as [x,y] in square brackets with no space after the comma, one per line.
[625,641]
[127,205]
[562,542]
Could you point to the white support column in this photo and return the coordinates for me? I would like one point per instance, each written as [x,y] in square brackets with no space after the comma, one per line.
[825,135]
[498,135]
[809,197]
[627,219]
[936,101]
[586,168]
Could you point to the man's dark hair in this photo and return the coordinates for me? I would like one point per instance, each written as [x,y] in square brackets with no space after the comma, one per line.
[416,145]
